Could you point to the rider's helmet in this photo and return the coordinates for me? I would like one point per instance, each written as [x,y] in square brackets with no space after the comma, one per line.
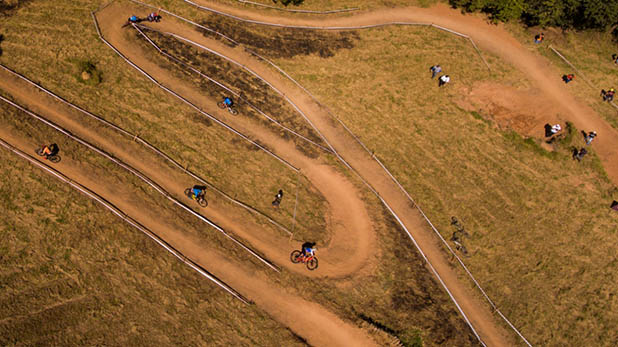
[133,18]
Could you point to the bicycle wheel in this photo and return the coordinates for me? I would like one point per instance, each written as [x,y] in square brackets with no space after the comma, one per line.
[222,105]
[188,193]
[54,158]
[294,256]
[233,111]
[312,264]
[202,202]
[39,151]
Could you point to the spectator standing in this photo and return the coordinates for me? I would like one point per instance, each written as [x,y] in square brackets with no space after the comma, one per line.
[591,135]
[278,198]
[555,129]
[435,70]
[444,79]
[539,38]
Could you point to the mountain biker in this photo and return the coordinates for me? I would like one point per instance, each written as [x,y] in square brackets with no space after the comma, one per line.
[228,102]
[134,19]
[50,150]
[198,192]
[568,78]
[308,248]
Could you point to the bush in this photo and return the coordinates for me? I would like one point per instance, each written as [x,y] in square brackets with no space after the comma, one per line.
[88,73]
[577,14]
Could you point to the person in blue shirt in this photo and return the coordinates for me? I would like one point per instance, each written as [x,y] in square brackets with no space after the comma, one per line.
[228,102]
[198,192]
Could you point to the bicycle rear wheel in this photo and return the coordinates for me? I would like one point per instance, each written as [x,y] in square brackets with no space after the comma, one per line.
[294,256]
[312,264]
[39,151]
[222,105]
[188,193]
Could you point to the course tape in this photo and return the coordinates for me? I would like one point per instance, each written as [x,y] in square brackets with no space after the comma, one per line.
[297,10]
[341,160]
[141,176]
[148,145]
[243,136]
[576,70]
[129,220]
[221,85]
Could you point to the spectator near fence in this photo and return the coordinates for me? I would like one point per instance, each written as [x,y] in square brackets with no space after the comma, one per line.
[539,38]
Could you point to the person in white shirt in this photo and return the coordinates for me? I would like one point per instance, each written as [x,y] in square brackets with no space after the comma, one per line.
[444,79]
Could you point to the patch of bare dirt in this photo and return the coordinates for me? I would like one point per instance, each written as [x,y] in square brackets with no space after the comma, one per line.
[509,107]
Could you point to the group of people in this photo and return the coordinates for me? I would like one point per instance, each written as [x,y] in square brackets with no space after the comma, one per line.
[579,154]
[443,79]
[608,95]
[152,17]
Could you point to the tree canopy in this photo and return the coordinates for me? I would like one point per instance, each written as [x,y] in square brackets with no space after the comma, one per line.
[566,14]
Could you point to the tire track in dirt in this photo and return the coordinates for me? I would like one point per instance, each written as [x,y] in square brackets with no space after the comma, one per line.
[316,324]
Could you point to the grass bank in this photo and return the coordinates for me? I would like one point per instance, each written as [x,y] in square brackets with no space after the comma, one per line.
[542,234]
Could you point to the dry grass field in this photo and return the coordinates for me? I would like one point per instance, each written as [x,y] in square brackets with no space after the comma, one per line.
[542,235]
[74,274]
[50,51]
[48,41]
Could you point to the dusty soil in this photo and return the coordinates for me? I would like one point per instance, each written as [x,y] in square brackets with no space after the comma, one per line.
[344,143]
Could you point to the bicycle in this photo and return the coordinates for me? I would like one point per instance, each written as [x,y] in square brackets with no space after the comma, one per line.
[231,109]
[200,199]
[310,260]
[54,158]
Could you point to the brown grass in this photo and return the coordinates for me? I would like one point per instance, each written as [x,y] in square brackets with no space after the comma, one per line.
[72,273]
[542,233]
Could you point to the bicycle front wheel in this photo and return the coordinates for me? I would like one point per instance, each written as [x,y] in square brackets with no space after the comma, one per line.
[312,264]
[202,202]
[54,158]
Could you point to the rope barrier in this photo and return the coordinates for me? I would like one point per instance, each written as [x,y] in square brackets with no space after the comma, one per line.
[128,220]
[148,145]
[298,10]
[363,180]
[188,102]
[579,72]
[237,95]
[143,177]
[357,139]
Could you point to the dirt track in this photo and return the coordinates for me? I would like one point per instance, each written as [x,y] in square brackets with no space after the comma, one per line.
[348,210]
[489,37]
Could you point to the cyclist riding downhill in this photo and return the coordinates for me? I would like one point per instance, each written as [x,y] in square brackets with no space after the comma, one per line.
[197,193]
[229,104]
[306,255]
[49,152]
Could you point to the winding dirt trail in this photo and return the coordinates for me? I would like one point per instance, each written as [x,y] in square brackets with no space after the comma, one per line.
[489,37]
[350,223]
[318,325]
[111,20]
